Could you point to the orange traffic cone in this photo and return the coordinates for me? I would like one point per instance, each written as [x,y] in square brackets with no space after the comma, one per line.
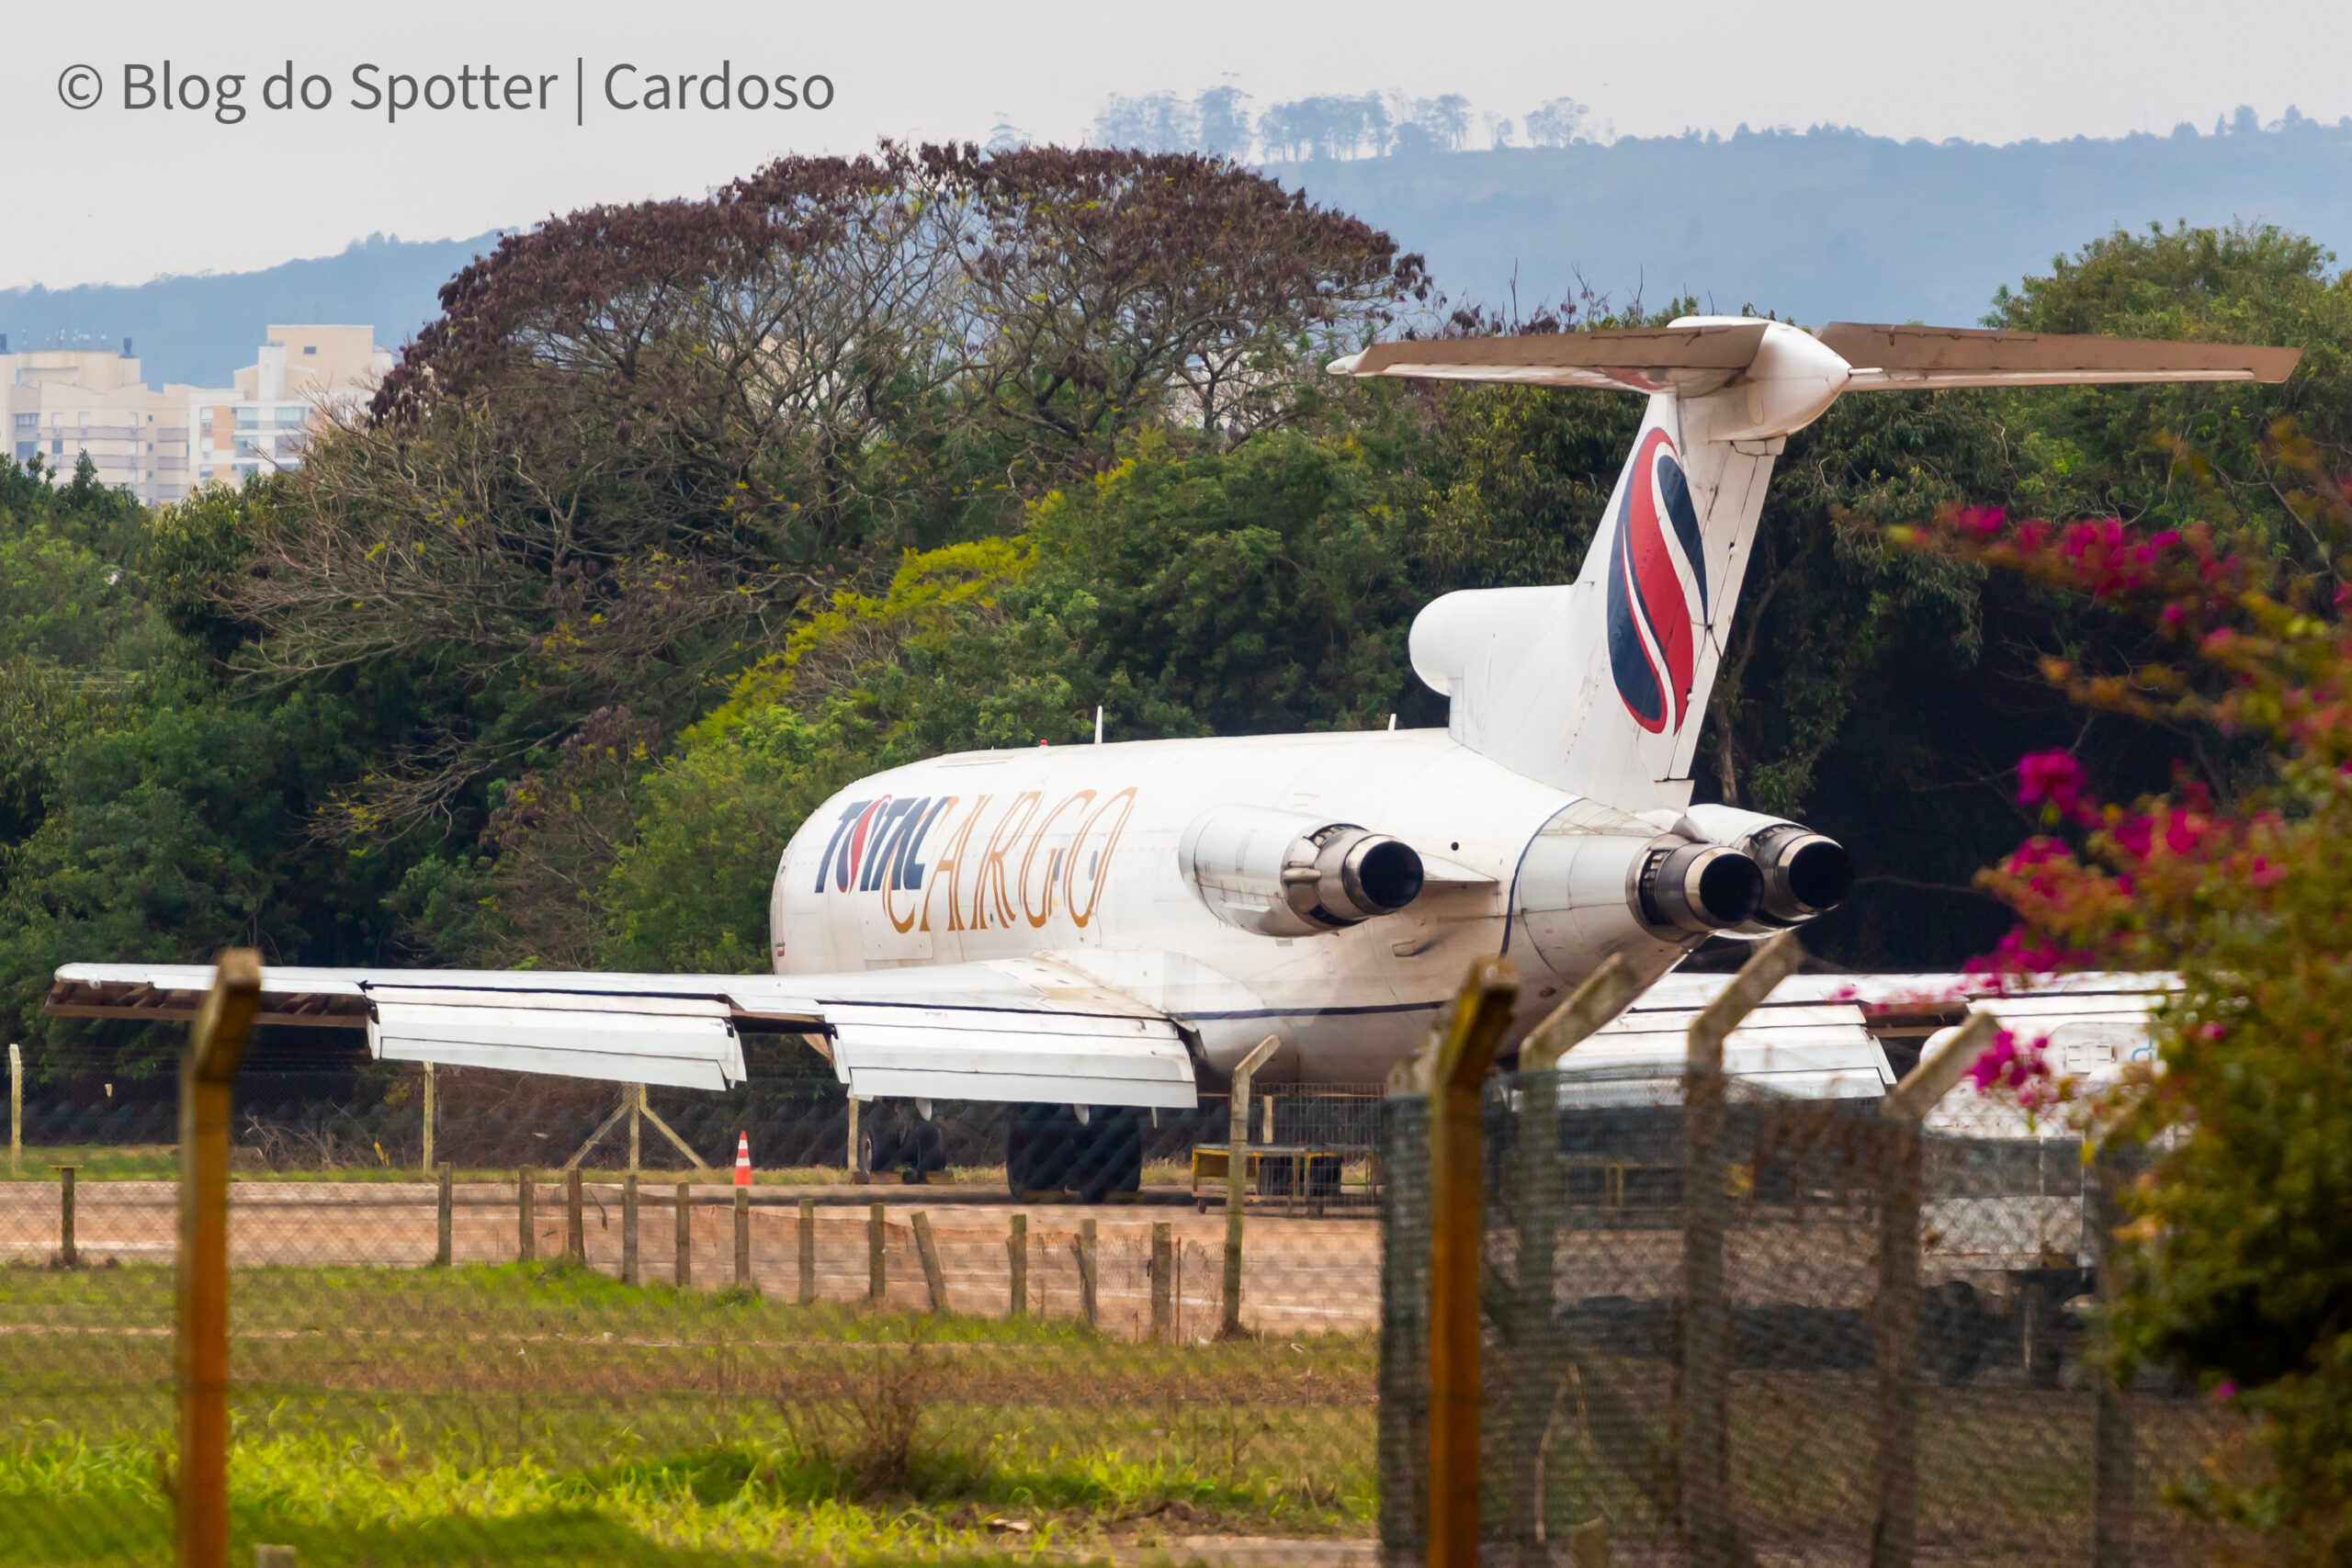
[742,1159]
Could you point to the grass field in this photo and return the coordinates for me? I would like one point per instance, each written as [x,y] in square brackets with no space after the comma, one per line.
[523,1415]
[530,1413]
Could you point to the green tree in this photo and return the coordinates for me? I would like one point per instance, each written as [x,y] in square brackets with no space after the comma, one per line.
[2239,1262]
[2169,455]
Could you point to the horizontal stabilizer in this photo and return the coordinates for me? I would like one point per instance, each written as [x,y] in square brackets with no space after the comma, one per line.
[1689,361]
[1893,358]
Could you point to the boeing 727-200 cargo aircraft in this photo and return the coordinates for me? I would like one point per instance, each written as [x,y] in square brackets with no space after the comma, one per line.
[1113,925]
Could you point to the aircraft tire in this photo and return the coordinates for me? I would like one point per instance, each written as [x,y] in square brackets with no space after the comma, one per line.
[1041,1148]
[1114,1159]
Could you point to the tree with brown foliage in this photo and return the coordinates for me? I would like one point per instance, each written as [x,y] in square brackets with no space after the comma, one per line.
[640,437]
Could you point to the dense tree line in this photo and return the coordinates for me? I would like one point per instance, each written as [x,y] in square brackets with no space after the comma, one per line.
[684,512]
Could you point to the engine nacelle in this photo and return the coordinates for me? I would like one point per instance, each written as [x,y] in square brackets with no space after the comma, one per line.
[1598,880]
[1279,873]
[1804,873]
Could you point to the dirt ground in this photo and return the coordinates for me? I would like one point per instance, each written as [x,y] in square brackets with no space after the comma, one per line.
[1301,1274]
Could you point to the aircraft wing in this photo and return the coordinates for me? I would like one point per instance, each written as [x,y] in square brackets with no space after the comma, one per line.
[1019,1030]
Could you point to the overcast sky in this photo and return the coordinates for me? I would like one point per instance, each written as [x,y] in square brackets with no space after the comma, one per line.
[112,194]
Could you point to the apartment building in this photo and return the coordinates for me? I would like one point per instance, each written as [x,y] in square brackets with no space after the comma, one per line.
[299,372]
[58,403]
[160,445]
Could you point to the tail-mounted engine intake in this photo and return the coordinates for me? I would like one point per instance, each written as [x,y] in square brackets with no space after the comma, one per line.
[1804,873]
[1280,873]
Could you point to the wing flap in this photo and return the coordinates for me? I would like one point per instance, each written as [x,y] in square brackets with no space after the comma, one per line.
[965,1053]
[681,1050]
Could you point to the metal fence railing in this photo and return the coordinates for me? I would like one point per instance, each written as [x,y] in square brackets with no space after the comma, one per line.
[1980,1441]
[484,1362]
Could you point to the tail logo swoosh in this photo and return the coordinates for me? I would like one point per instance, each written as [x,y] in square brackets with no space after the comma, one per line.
[1657,589]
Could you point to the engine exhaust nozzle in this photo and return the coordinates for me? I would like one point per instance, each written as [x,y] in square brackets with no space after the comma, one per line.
[1279,873]
[1805,874]
[1701,887]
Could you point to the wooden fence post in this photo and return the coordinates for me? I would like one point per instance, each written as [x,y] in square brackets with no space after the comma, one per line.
[1706,1309]
[743,1239]
[1163,1282]
[628,1230]
[526,1219]
[1237,1181]
[1482,1010]
[428,1116]
[1604,993]
[15,1109]
[927,1250]
[1894,1529]
[445,1217]
[1090,1296]
[682,1269]
[2112,1451]
[877,1277]
[206,1074]
[67,1253]
[808,1292]
[1017,1246]
[575,1232]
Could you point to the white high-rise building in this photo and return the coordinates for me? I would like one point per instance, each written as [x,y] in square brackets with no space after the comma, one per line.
[272,411]
[59,403]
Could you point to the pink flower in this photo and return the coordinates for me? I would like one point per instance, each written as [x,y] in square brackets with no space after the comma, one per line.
[2181,834]
[2003,1065]
[2047,776]
[2055,779]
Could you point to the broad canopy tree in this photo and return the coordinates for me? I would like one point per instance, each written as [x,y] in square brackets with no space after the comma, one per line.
[638,438]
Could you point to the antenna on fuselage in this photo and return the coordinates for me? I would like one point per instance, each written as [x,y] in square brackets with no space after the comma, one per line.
[1097,724]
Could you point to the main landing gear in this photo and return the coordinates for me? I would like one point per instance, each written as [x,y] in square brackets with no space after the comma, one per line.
[1094,1151]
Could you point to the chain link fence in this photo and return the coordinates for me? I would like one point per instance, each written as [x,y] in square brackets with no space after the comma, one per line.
[501,1360]
[1705,1359]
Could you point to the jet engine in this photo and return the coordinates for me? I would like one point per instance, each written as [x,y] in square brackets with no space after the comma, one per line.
[1804,873]
[1280,873]
[1597,881]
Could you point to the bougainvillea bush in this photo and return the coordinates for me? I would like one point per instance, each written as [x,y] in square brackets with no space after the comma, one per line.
[2239,1257]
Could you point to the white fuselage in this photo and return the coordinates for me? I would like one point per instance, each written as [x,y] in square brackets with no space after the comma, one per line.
[1070,852]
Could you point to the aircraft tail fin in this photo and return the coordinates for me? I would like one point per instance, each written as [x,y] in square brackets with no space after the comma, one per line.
[1601,686]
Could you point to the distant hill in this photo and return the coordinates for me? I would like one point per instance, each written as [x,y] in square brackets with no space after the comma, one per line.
[1829,225]
[1821,225]
[203,328]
